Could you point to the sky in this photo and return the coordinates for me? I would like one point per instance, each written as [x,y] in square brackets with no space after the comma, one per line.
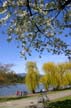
[9,54]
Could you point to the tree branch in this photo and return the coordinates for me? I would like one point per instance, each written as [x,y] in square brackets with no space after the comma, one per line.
[67,25]
[49,10]
[66,3]
[62,6]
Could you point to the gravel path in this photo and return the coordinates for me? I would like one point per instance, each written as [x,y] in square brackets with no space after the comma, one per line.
[22,103]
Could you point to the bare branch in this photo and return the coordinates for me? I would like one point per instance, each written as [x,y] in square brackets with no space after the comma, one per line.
[67,26]
[50,10]
[66,3]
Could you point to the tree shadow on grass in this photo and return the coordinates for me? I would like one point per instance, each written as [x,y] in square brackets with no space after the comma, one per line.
[60,104]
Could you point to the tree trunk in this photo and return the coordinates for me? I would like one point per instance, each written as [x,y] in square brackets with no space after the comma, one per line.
[33,91]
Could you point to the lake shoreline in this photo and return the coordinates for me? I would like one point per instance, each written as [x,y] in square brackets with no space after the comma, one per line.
[24,102]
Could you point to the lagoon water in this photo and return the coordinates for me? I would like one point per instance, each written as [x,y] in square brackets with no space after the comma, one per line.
[11,89]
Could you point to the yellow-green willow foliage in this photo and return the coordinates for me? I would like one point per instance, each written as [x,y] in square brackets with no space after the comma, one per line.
[45,81]
[68,76]
[59,74]
[50,70]
[64,69]
[32,76]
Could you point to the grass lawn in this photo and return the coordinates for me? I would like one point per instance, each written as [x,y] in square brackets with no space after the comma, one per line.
[3,99]
[56,91]
[64,102]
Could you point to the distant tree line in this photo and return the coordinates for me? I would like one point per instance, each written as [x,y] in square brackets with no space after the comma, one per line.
[56,75]
[7,76]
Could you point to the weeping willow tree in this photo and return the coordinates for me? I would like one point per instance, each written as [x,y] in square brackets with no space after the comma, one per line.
[64,69]
[59,75]
[32,76]
[51,71]
[68,76]
[45,80]
[38,24]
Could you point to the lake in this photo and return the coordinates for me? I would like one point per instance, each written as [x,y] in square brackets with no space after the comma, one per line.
[11,89]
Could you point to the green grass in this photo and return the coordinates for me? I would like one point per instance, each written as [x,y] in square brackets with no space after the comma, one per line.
[63,98]
[64,102]
[56,91]
[3,99]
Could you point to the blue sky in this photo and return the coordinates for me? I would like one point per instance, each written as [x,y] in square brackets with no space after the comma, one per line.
[10,54]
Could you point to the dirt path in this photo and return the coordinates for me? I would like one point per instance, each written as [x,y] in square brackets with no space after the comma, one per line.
[22,103]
